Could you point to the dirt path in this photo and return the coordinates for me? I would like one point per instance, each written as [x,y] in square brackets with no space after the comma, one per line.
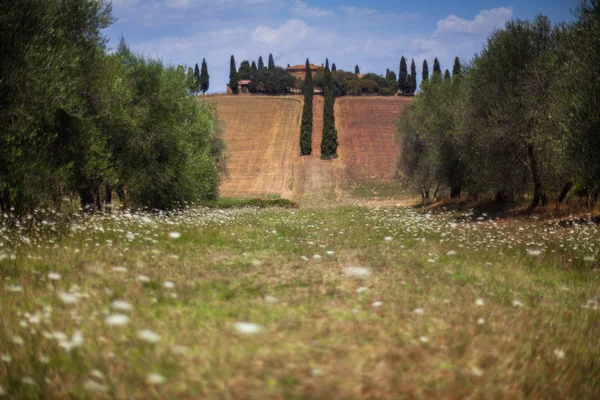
[262,135]
[319,179]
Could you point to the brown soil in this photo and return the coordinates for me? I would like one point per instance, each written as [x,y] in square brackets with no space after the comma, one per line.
[367,136]
[262,136]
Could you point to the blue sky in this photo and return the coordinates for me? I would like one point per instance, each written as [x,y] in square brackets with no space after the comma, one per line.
[373,34]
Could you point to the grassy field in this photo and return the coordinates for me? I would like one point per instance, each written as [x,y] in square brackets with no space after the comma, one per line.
[264,304]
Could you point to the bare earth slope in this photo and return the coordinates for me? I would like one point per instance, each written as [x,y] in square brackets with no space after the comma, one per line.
[367,136]
[262,136]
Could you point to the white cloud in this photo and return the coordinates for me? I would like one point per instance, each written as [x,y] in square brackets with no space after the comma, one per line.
[289,33]
[300,9]
[485,22]
[356,12]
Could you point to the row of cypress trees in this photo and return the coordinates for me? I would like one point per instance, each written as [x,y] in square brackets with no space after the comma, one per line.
[329,141]
[198,79]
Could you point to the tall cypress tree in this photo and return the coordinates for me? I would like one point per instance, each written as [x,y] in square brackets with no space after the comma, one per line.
[402,77]
[253,67]
[413,78]
[261,63]
[425,71]
[307,113]
[233,82]
[436,67]
[356,70]
[333,68]
[204,77]
[197,79]
[326,64]
[329,141]
[447,78]
[271,62]
[456,70]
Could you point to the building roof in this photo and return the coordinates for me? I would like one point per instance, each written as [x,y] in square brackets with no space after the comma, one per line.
[244,82]
[302,67]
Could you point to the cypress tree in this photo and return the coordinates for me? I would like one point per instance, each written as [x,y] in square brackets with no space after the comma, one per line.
[436,67]
[271,62]
[204,77]
[261,64]
[190,80]
[402,77]
[307,114]
[333,68]
[457,70]
[233,83]
[253,67]
[326,64]
[413,78]
[387,73]
[197,79]
[425,71]
[447,78]
[356,70]
[329,141]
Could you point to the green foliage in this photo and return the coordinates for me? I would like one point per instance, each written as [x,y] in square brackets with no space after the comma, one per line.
[329,141]
[412,81]
[233,77]
[271,62]
[436,67]
[523,118]
[77,121]
[253,67]
[204,78]
[457,69]
[339,81]
[244,72]
[403,77]
[307,113]
[425,73]
[197,79]
[190,79]
[271,81]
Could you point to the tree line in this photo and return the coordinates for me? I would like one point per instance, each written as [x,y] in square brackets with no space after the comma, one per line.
[522,118]
[198,80]
[269,79]
[77,121]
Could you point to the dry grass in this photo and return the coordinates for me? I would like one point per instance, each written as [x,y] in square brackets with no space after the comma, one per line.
[320,338]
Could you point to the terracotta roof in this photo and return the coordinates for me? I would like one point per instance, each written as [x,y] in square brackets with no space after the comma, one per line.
[360,76]
[302,67]
[244,82]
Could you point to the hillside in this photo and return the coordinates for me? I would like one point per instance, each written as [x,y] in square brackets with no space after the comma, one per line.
[262,135]
[367,136]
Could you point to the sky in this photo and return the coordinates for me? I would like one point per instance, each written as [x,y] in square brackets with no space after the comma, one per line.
[372,34]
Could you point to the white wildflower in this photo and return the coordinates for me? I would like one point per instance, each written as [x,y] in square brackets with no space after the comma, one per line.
[517,303]
[361,289]
[247,328]
[330,253]
[451,253]
[68,298]
[477,371]
[93,386]
[143,279]
[480,302]
[155,379]
[119,269]
[54,276]
[423,339]
[15,288]
[481,321]
[534,252]
[174,235]
[148,336]
[377,304]
[388,238]
[270,299]
[357,272]
[117,320]
[419,311]
[560,354]
[121,305]
[168,285]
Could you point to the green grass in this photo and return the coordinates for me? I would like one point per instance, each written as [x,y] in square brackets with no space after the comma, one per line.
[320,338]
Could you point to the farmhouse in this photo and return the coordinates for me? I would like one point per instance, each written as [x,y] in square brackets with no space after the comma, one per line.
[299,71]
[242,87]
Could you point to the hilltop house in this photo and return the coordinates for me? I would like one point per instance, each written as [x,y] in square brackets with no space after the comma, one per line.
[299,71]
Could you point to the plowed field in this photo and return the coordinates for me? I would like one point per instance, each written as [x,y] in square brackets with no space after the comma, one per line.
[262,135]
[367,136]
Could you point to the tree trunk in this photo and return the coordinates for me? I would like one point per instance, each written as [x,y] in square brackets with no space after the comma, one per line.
[564,192]
[538,192]
[121,193]
[107,197]
[97,202]
[455,191]
[437,189]
[87,201]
